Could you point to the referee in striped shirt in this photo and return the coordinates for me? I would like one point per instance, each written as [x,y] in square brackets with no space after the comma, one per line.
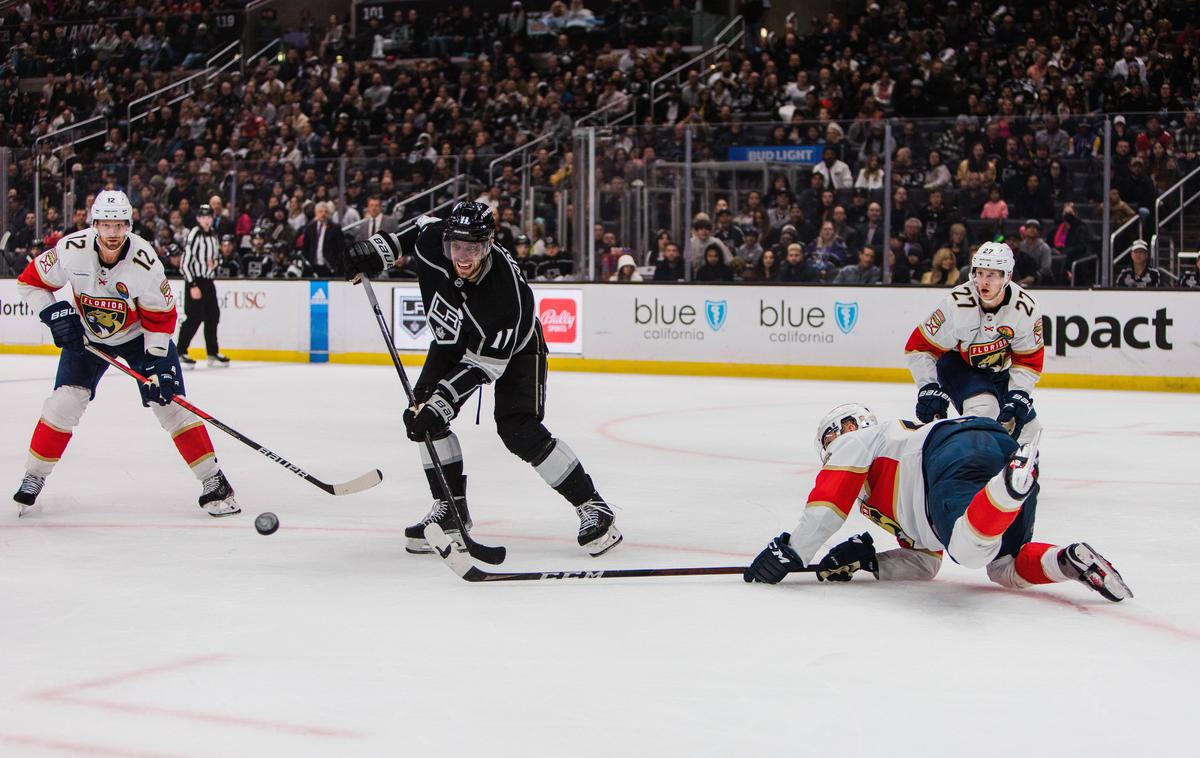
[201,254]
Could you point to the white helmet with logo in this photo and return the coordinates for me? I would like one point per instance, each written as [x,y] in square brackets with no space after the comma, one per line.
[831,426]
[995,255]
[112,205]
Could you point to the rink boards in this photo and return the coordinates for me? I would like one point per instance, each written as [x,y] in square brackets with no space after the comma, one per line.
[1097,339]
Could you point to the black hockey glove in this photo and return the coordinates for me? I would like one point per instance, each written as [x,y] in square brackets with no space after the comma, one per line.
[371,256]
[932,402]
[1015,412]
[775,562]
[64,325]
[855,554]
[161,379]
[432,418]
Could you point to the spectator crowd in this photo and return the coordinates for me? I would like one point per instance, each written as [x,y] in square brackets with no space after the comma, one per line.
[996,117]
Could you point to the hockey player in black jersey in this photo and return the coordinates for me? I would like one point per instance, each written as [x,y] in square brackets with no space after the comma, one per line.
[480,311]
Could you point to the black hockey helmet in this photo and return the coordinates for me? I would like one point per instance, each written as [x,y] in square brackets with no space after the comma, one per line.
[522,239]
[173,249]
[468,236]
[471,222]
[204,210]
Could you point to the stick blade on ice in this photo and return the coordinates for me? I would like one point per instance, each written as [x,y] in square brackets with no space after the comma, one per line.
[364,482]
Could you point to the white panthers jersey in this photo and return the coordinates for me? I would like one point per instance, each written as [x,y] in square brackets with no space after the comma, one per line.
[1008,337]
[116,303]
[879,470]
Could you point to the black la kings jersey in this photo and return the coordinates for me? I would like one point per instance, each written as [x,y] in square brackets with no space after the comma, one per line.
[477,326]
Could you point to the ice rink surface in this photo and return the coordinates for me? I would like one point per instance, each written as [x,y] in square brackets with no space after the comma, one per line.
[132,624]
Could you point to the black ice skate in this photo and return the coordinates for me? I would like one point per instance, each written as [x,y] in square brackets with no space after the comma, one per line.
[217,498]
[218,360]
[27,493]
[440,514]
[1081,562]
[184,360]
[597,532]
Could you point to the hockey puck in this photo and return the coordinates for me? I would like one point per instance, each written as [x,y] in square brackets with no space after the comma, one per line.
[266,523]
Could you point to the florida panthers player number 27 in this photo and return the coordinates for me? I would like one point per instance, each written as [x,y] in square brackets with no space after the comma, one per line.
[981,348]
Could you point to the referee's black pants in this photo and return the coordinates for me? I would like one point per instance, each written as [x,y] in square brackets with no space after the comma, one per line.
[203,310]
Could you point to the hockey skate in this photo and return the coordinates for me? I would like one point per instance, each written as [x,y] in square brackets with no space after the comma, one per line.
[1081,562]
[1022,469]
[218,360]
[217,498]
[185,361]
[26,495]
[597,532]
[441,515]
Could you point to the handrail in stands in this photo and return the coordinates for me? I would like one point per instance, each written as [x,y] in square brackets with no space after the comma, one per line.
[720,47]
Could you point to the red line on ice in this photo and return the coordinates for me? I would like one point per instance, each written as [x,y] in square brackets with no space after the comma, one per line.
[69,694]
[77,748]
[605,430]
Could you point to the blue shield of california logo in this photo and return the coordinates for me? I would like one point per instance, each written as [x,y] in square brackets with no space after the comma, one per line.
[846,315]
[715,312]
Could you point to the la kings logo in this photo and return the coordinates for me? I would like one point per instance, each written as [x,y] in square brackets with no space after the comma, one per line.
[445,320]
[412,315]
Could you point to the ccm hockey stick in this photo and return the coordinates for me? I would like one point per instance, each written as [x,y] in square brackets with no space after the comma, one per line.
[364,482]
[462,566]
[486,553]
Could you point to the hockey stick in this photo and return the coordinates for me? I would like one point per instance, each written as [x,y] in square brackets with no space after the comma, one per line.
[364,482]
[460,565]
[486,553]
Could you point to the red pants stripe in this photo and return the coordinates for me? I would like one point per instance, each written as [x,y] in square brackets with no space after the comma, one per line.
[1029,562]
[986,517]
[48,441]
[194,444]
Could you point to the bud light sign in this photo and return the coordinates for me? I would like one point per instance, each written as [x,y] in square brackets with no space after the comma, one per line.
[561,314]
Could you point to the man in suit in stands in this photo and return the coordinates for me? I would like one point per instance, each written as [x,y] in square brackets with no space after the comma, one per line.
[375,221]
[871,233]
[324,243]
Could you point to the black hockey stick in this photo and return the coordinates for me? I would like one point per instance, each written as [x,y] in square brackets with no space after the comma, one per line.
[472,573]
[486,553]
[364,482]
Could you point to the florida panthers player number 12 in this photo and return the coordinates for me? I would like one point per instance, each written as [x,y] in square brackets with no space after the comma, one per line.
[123,302]
[981,348]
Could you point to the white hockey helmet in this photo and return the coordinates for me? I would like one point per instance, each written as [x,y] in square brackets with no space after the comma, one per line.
[112,205]
[994,255]
[831,426]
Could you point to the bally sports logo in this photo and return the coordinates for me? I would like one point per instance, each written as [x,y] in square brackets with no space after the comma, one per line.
[559,316]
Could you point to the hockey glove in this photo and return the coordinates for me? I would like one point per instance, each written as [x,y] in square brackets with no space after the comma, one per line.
[432,418]
[371,256]
[161,380]
[855,554]
[775,562]
[932,402]
[1015,412]
[64,325]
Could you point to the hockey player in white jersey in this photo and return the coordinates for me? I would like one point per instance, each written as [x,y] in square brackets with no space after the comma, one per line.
[981,348]
[962,487]
[122,302]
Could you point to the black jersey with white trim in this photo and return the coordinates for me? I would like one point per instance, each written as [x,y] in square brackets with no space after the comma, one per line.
[483,323]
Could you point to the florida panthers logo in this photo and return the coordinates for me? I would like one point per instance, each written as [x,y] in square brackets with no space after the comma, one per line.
[990,356]
[885,521]
[104,316]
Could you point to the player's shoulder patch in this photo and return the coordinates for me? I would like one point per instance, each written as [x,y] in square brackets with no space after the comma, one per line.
[46,260]
[425,220]
[934,322]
